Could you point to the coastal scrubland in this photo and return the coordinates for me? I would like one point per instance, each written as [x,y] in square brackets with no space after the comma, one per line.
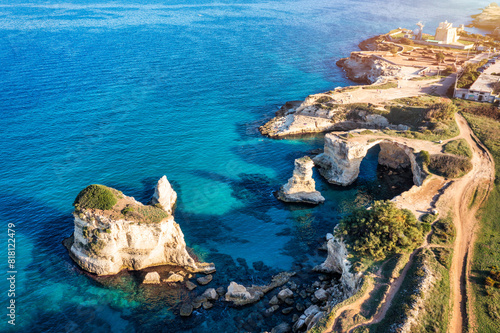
[486,257]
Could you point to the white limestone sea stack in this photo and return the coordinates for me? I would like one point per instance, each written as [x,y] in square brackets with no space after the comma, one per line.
[301,187]
[115,232]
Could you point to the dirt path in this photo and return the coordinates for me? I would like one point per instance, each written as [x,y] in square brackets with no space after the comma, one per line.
[353,306]
[456,199]
[465,221]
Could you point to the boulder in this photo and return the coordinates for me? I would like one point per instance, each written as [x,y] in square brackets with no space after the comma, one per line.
[286,311]
[285,293]
[190,285]
[204,279]
[274,300]
[210,294]
[301,187]
[174,277]
[241,295]
[207,305]
[282,328]
[152,278]
[186,310]
[321,295]
[164,195]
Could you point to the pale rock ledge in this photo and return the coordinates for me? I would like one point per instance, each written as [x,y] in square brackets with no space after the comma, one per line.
[301,187]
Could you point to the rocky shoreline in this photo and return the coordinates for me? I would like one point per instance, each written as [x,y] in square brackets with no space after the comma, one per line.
[488,19]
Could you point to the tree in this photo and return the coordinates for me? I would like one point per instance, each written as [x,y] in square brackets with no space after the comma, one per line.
[440,57]
[382,230]
[394,50]
[406,41]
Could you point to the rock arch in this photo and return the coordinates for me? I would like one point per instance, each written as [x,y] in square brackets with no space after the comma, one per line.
[341,159]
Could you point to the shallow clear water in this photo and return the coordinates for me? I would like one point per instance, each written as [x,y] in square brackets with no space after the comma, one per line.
[120,94]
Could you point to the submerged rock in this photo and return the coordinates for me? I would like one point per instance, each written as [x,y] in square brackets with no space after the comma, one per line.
[114,232]
[301,187]
[190,285]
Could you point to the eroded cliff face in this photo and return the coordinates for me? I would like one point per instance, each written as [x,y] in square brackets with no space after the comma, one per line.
[341,159]
[322,113]
[337,262]
[129,236]
[301,187]
[368,68]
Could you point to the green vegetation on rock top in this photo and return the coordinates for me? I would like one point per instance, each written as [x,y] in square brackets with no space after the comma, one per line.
[95,197]
[382,230]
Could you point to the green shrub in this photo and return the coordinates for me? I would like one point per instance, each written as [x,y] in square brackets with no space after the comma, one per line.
[458,147]
[429,218]
[382,230]
[127,209]
[443,231]
[426,227]
[95,197]
[449,166]
[443,255]
[426,157]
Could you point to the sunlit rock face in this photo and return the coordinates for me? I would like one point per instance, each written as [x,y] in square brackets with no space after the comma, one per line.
[131,236]
[341,159]
[301,187]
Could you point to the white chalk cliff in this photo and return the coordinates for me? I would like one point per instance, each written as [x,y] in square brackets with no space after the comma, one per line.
[341,159]
[337,262]
[322,113]
[164,195]
[131,236]
[301,187]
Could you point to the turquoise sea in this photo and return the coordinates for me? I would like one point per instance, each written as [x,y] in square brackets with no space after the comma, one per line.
[121,93]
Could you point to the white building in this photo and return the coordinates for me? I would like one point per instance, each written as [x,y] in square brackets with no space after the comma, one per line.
[446,33]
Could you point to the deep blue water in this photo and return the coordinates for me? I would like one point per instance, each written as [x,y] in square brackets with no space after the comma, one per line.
[120,94]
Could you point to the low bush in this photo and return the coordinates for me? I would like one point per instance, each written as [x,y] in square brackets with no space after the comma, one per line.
[382,230]
[426,157]
[428,218]
[127,209]
[95,197]
[443,231]
[449,166]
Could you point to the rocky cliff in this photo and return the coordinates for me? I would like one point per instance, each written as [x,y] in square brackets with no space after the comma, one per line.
[341,159]
[337,262]
[322,113]
[301,187]
[368,68]
[489,18]
[128,234]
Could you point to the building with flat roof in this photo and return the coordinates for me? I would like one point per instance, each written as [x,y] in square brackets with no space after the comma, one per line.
[483,89]
[446,33]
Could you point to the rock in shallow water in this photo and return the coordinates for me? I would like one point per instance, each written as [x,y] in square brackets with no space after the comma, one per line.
[164,195]
[204,279]
[186,310]
[301,187]
[152,278]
